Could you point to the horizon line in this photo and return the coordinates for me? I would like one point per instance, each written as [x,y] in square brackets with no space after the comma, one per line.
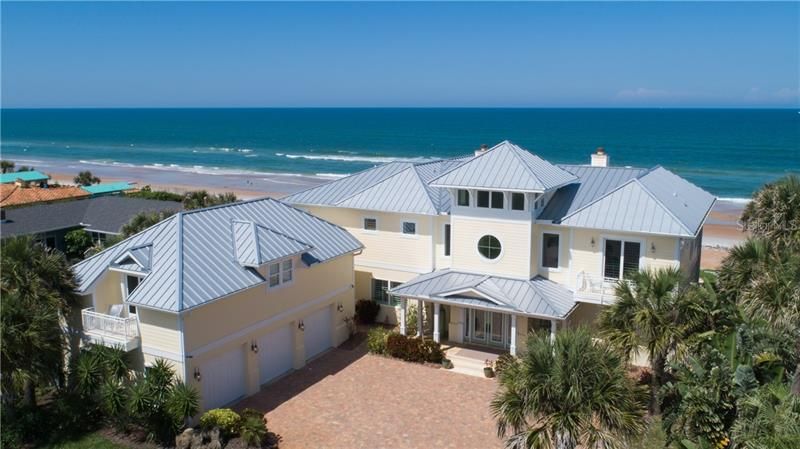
[405,107]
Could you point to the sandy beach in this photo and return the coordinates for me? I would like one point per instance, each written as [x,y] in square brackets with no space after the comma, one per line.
[720,233]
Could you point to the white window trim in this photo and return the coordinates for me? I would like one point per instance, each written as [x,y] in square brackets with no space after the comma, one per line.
[415,235]
[469,197]
[281,283]
[125,283]
[369,231]
[560,235]
[511,202]
[642,251]
[484,258]
[389,285]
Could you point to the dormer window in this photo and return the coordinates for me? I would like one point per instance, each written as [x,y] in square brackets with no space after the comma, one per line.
[517,201]
[463,197]
[281,272]
[131,282]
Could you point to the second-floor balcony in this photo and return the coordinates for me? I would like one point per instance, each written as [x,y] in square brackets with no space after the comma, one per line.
[595,289]
[110,330]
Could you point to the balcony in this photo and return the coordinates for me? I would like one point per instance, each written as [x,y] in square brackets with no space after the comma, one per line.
[595,289]
[110,330]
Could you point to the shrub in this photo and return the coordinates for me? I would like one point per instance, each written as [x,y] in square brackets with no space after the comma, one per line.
[225,419]
[503,362]
[431,351]
[413,349]
[376,340]
[253,431]
[367,311]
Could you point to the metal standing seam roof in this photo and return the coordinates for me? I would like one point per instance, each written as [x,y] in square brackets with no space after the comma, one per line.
[537,296]
[25,176]
[393,187]
[107,187]
[656,201]
[194,258]
[255,244]
[506,166]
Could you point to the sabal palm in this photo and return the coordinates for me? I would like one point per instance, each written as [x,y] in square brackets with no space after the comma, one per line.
[774,212]
[652,311]
[567,393]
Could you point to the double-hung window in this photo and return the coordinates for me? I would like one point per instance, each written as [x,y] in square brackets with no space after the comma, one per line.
[281,272]
[463,197]
[621,259]
[550,250]
[380,292]
[488,199]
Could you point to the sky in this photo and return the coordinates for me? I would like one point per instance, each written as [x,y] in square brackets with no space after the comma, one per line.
[400,55]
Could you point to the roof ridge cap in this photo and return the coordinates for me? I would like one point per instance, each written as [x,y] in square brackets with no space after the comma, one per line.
[530,171]
[474,157]
[425,190]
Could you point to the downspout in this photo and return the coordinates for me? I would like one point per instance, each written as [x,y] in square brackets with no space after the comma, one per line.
[179,224]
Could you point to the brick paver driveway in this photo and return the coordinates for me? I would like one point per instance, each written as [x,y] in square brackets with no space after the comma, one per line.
[349,399]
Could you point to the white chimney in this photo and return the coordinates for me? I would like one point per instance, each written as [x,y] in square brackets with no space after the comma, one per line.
[484,148]
[599,158]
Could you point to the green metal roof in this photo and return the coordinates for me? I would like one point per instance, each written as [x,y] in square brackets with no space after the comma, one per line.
[107,187]
[6,178]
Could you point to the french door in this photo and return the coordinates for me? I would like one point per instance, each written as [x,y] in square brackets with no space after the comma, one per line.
[621,258]
[489,328]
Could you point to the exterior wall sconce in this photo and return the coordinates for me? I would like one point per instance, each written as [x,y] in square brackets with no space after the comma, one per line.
[301,326]
[593,242]
[652,247]
[197,375]
[254,346]
[340,307]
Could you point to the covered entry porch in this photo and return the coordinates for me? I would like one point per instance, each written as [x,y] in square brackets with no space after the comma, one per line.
[484,311]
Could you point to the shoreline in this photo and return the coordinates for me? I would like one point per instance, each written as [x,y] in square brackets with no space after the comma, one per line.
[720,232]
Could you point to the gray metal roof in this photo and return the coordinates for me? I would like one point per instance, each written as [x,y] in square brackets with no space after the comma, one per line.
[655,201]
[506,167]
[394,187]
[255,244]
[105,214]
[194,257]
[538,296]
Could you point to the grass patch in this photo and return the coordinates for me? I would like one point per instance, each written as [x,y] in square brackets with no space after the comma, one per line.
[654,437]
[89,441]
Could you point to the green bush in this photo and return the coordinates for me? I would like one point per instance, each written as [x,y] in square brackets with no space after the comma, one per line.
[503,362]
[253,430]
[376,340]
[225,419]
[367,311]
[413,349]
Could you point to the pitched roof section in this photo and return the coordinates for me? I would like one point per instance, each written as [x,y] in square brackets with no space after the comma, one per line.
[14,195]
[255,244]
[25,176]
[108,187]
[506,167]
[393,187]
[137,258]
[537,296]
[656,201]
[193,253]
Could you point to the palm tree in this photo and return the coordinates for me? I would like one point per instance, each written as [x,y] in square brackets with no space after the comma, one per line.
[654,311]
[774,212]
[6,166]
[86,178]
[571,392]
[38,290]
[144,220]
[199,199]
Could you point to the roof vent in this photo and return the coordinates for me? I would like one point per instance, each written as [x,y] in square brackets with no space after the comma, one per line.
[484,148]
[599,158]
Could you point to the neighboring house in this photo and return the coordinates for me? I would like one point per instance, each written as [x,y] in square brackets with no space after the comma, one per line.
[108,188]
[233,295]
[101,217]
[32,176]
[503,242]
[15,195]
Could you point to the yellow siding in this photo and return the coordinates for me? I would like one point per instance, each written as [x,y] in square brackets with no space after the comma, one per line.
[108,291]
[387,247]
[514,237]
[442,261]
[159,331]
[560,274]
[226,316]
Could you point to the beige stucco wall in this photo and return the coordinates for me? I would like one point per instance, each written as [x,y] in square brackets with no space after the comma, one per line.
[514,237]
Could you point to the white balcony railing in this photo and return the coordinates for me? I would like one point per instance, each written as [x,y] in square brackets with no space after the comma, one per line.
[595,288]
[109,326]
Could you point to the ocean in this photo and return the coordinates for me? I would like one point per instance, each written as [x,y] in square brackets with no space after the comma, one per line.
[729,152]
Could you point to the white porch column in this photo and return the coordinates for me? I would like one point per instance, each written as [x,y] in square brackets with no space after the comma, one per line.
[436,322]
[403,302]
[512,348]
[420,312]
[552,331]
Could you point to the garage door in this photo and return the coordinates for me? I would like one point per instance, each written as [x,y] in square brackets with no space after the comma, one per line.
[223,379]
[275,353]
[317,335]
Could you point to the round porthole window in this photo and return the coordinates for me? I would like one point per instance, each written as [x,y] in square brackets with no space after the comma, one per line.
[489,247]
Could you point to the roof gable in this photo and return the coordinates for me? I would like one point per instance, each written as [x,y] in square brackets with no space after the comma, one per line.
[506,167]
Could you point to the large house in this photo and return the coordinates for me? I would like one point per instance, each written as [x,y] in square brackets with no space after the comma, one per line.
[502,242]
[232,296]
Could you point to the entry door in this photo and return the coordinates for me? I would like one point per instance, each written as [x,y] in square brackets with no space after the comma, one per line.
[479,325]
[496,329]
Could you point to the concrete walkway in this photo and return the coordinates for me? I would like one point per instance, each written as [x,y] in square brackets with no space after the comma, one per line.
[350,399]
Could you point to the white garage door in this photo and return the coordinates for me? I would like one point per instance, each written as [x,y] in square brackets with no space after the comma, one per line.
[275,353]
[223,379]
[317,335]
